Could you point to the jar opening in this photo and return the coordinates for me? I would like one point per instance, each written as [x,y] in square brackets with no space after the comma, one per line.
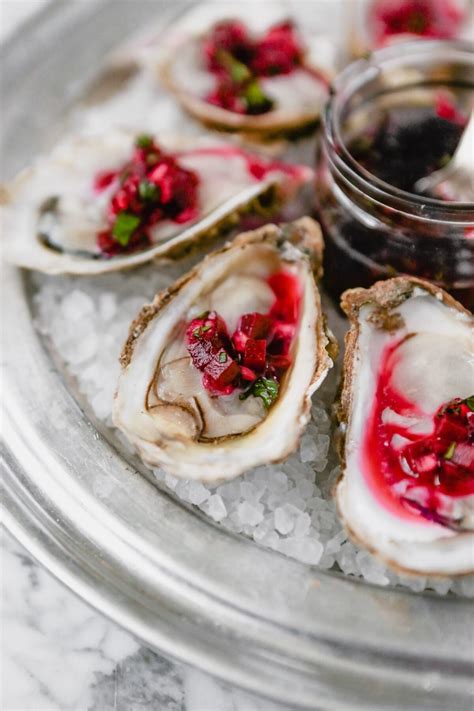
[392,90]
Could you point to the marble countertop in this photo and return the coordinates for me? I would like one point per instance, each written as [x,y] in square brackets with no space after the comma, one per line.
[60,655]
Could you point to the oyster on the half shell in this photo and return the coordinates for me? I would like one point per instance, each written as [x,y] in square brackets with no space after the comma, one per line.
[237,73]
[98,203]
[407,422]
[212,413]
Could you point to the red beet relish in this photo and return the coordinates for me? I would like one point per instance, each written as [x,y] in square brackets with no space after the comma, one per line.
[422,475]
[432,19]
[151,187]
[257,354]
[238,60]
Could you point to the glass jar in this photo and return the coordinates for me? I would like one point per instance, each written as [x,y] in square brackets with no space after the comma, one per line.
[374,230]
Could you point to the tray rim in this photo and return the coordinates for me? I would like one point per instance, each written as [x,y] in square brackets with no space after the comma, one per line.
[262,648]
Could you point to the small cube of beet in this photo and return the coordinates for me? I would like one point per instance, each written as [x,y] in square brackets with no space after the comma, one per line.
[255,353]
[255,325]
[222,368]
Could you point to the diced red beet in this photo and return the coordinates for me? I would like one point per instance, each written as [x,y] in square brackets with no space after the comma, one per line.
[255,325]
[287,291]
[222,371]
[279,363]
[255,354]
[200,352]
[463,455]
[214,388]
[239,340]
[151,186]
[420,459]
[278,52]
[450,428]
[282,338]
[247,374]
[103,179]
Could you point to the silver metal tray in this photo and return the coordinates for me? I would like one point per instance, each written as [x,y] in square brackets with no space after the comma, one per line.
[179,583]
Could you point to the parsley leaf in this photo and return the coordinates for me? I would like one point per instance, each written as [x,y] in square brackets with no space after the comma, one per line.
[237,70]
[257,102]
[125,224]
[450,451]
[144,140]
[148,191]
[265,388]
[470,402]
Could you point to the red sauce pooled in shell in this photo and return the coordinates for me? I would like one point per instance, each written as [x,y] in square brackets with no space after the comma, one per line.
[422,475]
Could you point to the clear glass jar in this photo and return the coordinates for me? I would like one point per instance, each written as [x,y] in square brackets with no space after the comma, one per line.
[374,230]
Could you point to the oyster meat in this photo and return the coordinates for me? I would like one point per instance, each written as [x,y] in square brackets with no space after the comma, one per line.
[218,370]
[407,424]
[238,74]
[99,203]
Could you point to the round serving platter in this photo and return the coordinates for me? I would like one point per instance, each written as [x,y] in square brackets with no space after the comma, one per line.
[179,583]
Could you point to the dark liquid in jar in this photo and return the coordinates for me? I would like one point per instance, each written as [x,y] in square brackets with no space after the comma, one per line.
[405,144]
[408,144]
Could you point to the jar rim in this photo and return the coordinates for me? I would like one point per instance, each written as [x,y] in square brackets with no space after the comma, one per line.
[351,79]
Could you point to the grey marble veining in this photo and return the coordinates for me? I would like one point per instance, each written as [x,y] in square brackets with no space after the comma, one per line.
[60,655]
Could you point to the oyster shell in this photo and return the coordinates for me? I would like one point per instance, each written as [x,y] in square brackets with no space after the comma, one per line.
[161,404]
[52,214]
[407,488]
[298,97]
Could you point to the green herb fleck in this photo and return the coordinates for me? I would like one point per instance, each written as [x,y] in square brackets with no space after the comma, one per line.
[206,328]
[237,70]
[197,332]
[222,357]
[144,140]
[444,160]
[264,388]
[148,191]
[256,100]
[450,451]
[125,225]
[204,315]
[470,402]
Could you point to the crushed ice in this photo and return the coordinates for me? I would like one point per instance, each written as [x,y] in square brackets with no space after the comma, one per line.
[286,507]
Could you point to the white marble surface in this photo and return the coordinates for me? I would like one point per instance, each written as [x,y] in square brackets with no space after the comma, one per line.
[57,654]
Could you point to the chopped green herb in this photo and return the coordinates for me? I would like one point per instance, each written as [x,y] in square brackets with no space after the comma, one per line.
[470,402]
[450,451]
[148,191]
[222,357]
[237,70]
[152,158]
[125,225]
[257,101]
[204,315]
[144,140]
[200,330]
[264,388]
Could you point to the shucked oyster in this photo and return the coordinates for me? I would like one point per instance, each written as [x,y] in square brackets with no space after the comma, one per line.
[219,369]
[407,413]
[101,203]
[236,74]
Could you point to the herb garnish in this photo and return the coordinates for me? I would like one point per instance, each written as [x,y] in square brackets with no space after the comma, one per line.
[125,225]
[265,388]
[148,191]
